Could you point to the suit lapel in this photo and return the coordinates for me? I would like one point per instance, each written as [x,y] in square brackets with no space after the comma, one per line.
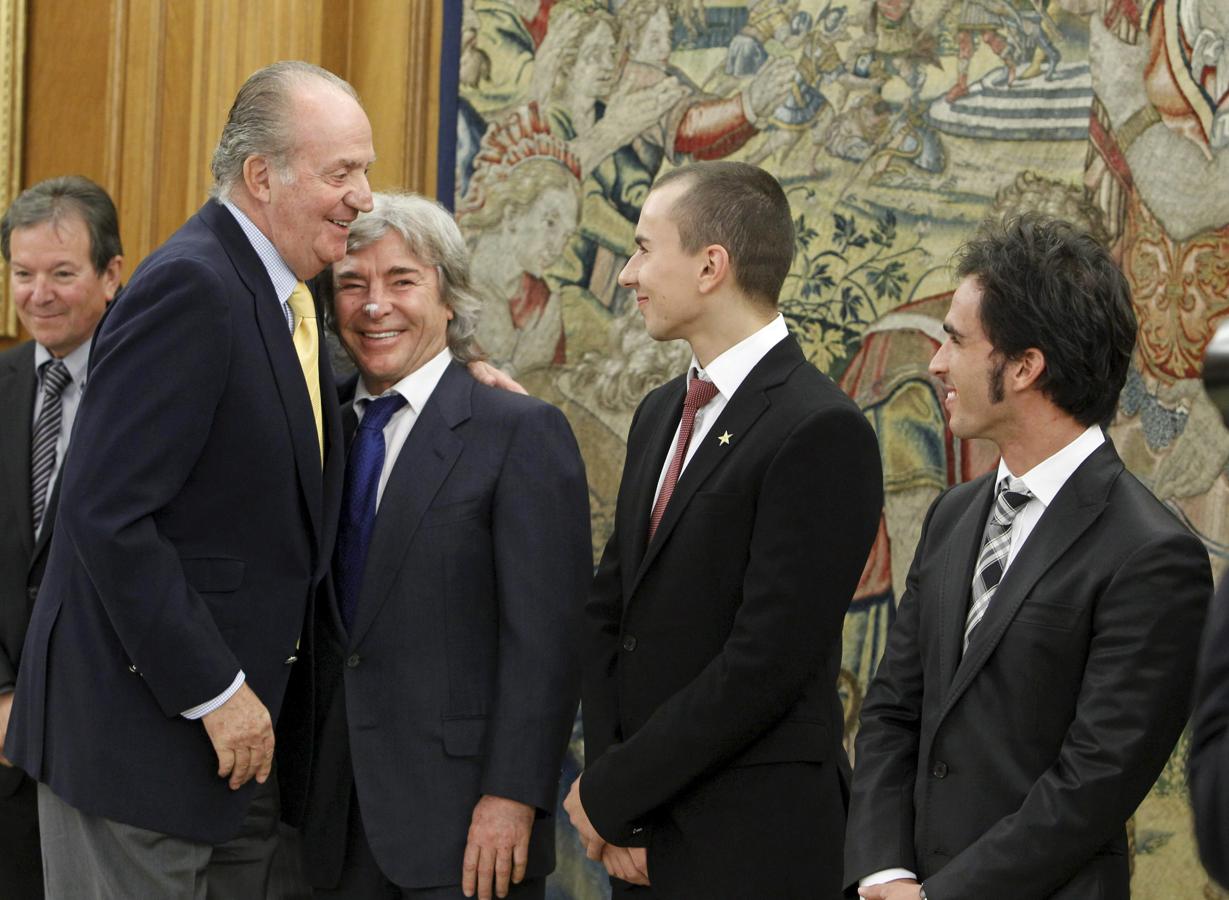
[429,453]
[17,385]
[283,360]
[963,548]
[1076,506]
[738,418]
[650,464]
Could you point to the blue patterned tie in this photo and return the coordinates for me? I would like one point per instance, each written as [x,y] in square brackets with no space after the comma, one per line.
[358,502]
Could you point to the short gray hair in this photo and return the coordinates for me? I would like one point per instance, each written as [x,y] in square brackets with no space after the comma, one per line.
[431,234]
[261,122]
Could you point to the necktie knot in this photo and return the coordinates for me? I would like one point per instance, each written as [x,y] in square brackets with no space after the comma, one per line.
[377,412]
[699,392]
[1013,495]
[55,377]
[301,303]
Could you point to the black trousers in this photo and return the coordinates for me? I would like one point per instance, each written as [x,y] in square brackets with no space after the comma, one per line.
[21,859]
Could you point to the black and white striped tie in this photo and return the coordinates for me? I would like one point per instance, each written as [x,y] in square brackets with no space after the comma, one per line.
[1012,496]
[46,436]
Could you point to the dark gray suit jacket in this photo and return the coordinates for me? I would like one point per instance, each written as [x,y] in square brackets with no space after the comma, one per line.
[1011,771]
[460,675]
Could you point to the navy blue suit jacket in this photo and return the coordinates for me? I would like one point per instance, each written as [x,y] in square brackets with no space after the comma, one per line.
[196,524]
[459,676]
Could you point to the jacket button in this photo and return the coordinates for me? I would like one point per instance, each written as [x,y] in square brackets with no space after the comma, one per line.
[290,659]
[629,643]
[133,670]
[939,770]
[353,661]
[32,592]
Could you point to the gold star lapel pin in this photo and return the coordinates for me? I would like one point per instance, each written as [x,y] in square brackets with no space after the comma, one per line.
[724,439]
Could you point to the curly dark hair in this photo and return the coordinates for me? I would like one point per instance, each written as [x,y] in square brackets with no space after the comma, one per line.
[1048,285]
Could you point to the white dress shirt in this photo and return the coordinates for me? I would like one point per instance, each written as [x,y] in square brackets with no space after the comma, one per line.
[728,371]
[77,363]
[1044,481]
[416,388]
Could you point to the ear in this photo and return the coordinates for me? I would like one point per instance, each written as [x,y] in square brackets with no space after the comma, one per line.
[256,176]
[715,268]
[1026,369]
[111,276]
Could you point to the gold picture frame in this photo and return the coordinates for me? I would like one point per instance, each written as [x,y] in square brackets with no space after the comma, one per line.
[12,99]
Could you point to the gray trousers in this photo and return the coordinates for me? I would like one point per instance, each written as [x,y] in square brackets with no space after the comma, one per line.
[91,858]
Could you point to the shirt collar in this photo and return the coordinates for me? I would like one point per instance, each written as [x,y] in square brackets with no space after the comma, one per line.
[78,361]
[731,368]
[416,387]
[282,278]
[1046,478]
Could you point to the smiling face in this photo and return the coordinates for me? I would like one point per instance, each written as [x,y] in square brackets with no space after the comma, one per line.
[407,322]
[663,275]
[58,295]
[543,228]
[970,369]
[308,218]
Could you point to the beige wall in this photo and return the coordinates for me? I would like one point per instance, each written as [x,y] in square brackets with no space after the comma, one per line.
[134,94]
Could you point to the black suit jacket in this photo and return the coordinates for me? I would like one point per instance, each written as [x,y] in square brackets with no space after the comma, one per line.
[195,524]
[460,675]
[1209,759]
[1011,771]
[22,558]
[717,644]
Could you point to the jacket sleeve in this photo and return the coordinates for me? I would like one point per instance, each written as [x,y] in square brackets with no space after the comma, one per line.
[879,832]
[158,371]
[543,563]
[804,560]
[603,614]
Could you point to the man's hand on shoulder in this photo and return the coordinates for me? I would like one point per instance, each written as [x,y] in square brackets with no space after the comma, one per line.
[902,889]
[493,377]
[497,850]
[242,735]
[630,864]
[6,706]
[593,841]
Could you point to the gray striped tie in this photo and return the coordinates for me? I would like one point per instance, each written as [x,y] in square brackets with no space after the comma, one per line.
[46,436]
[1012,495]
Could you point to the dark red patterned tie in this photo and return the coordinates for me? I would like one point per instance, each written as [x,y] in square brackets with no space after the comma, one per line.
[698,394]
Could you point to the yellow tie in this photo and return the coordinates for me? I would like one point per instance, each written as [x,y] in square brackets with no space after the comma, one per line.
[307,346]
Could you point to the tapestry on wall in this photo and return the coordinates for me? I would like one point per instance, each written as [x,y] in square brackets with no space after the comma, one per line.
[895,126]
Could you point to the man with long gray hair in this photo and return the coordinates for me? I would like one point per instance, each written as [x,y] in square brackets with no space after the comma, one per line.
[445,667]
[198,513]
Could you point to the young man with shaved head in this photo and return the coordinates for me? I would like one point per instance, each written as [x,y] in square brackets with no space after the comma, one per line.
[751,493]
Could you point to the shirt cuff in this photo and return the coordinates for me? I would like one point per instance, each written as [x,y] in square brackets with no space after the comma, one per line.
[883,876]
[204,709]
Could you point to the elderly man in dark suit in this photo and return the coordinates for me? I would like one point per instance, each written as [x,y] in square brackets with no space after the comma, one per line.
[747,507]
[446,671]
[1039,669]
[199,523]
[61,241]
